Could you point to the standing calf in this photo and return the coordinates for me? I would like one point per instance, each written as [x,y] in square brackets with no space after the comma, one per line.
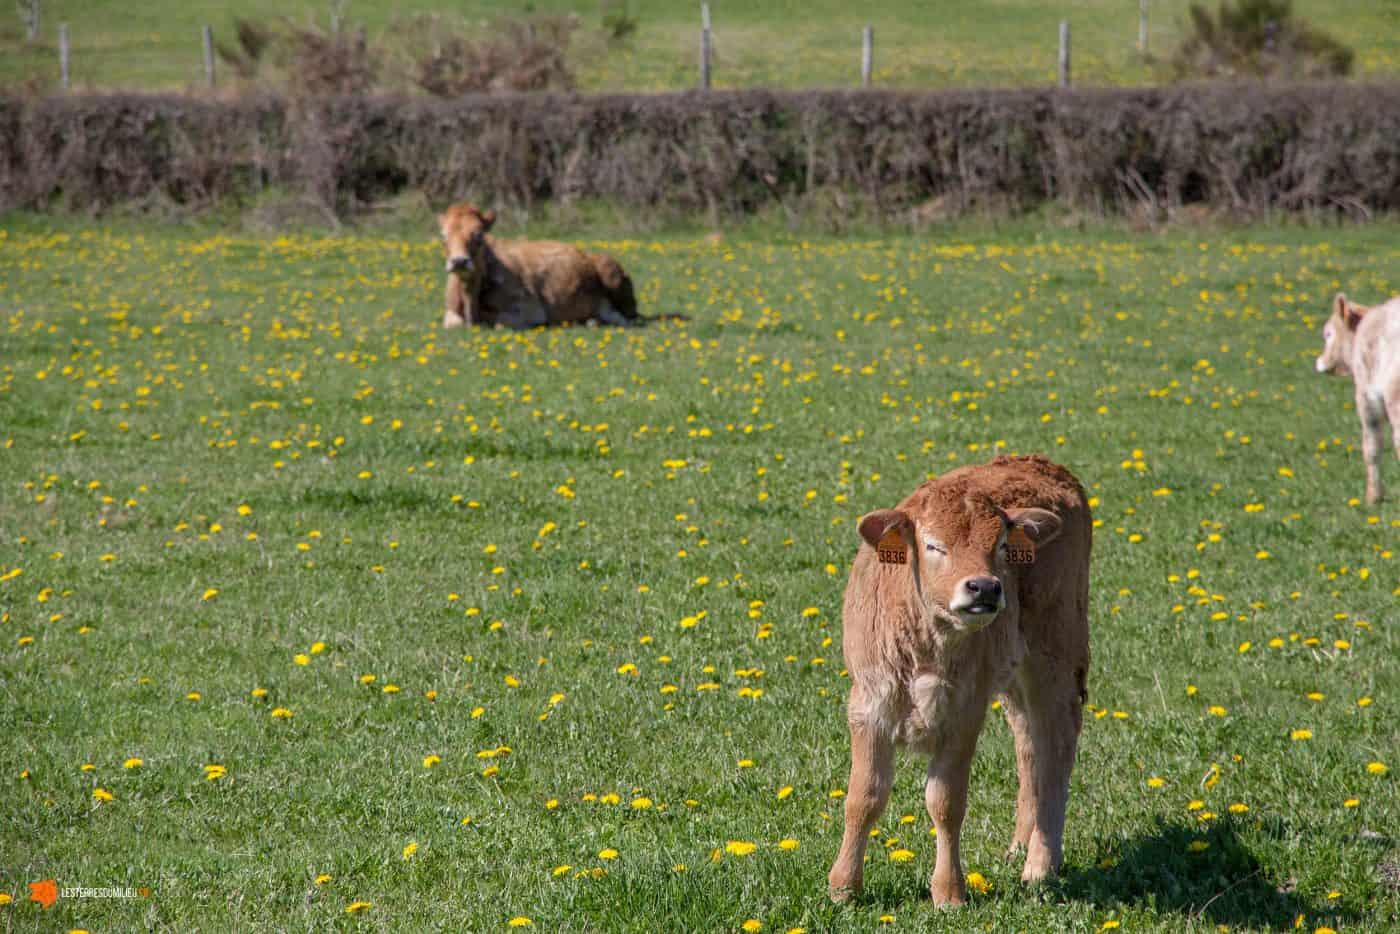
[1365,343]
[975,586]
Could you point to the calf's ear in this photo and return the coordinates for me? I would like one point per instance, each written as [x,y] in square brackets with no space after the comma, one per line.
[487,220]
[875,525]
[1040,525]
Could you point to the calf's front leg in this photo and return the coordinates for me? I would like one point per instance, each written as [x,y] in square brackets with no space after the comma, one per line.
[945,796]
[872,774]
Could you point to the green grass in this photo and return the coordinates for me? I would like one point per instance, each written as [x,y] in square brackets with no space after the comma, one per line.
[218,452]
[789,44]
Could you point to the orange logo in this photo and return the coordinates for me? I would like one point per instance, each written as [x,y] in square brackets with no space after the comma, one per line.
[144,891]
[45,893]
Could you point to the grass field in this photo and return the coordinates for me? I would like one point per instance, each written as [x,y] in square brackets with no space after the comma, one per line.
[787,44]
[313,616]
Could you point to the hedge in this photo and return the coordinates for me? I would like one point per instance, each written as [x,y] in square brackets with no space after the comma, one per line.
[1239,148]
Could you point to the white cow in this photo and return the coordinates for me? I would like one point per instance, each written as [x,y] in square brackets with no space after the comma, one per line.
[1365,343]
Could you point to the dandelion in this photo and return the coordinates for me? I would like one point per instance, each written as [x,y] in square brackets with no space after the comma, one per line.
[410,849]
[739,847]
[133,763]
[430,761]
[210,594]
[281,713]
[752,925]
[102,794]
[1377,768]
[784,792]
[1301,734]
[322,879]
[788,844]
[901,856]
[355,908]
[978,883]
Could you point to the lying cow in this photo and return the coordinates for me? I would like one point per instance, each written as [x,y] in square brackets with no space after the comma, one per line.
[527,283]
[976,586]
[1365,344]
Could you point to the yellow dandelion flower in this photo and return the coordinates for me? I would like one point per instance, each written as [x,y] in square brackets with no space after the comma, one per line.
[430,761]
[1377,768]
[102,794]
[901,856]
[788,844]
[133,763]
[752,925]
[978,883]
[355,908]
[1301,734]
[322,879]
[739,847]
[608,853]
[410,849]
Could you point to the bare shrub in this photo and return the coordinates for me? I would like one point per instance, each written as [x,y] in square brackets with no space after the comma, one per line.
[512,54]
[1257,38]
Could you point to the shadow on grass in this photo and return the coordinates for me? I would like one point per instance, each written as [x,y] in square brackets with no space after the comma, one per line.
[1204,873]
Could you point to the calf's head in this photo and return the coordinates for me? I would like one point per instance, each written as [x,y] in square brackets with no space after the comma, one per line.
[963,552]
[1338,334]
[464,229]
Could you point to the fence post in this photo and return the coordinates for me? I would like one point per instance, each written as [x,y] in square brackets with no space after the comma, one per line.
[29,11]
[63,54]
[867,54]
[705,46]
[1064,53]
[209,55]
[1142,26]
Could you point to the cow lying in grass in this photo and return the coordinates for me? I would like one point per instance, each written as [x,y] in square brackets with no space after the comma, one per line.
[1365,344]
[527,283]
[975,587]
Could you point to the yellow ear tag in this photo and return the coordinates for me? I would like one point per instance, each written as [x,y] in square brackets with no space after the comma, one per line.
[1020,549]
[892,549]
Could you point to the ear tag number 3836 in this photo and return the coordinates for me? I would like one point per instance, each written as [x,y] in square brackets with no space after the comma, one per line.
[1020,549]
[892,549]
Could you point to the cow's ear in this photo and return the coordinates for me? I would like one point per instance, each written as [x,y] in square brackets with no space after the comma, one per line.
[875,525]
[487,220]
[1040,525]
[1350,312]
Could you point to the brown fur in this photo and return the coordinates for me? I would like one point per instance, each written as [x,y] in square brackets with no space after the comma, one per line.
[526,283]
[925,663]
[1364,343]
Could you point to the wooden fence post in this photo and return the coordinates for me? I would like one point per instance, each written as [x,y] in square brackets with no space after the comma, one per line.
[705,46]
[1064,53]
[1142,26]
[209,55]
[867,55]
[63,54]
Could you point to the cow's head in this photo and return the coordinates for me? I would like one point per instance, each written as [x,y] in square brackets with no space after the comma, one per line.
[1337,336]
[957,550]
[464,229]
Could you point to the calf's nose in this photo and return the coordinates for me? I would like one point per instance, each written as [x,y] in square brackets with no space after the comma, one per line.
[984,588]
[459,264]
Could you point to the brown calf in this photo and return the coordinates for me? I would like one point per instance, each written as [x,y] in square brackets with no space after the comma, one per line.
[1365,344]
[976,586]
[527,283]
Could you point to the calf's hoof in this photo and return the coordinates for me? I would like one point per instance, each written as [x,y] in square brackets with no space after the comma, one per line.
[842,888]
[450,320]
[948,893]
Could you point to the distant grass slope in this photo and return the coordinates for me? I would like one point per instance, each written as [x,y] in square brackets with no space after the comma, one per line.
[780,44]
